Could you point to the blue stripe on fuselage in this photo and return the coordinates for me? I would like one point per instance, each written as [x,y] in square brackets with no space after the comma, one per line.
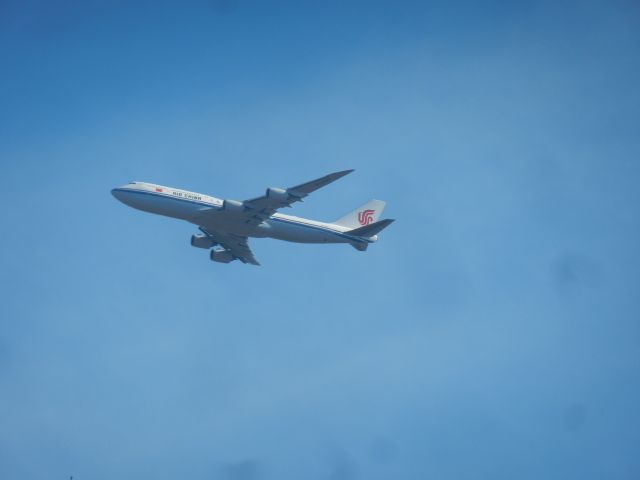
[283,220]
[317,227]
[164,195]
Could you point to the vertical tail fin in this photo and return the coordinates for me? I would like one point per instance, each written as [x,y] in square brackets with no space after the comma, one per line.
[368,213]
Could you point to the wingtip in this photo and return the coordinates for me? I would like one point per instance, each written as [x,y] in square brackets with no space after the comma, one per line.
[342,173]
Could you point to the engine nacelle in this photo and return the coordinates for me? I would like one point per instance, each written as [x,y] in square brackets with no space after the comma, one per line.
[233,206]
[202,241]
[277,194]
[222,256]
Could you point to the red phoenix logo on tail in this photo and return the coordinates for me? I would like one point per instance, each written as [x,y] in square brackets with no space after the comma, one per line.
[365,217]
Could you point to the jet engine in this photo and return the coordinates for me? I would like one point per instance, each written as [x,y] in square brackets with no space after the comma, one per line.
[202,241]
[277,194]
[233,206]
[222,256]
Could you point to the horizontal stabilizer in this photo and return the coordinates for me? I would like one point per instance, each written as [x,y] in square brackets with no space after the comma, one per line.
[371,229]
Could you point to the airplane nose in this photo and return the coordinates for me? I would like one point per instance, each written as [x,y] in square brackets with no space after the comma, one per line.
[118,193]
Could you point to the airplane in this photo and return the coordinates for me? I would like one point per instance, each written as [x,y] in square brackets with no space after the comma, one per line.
[226,225]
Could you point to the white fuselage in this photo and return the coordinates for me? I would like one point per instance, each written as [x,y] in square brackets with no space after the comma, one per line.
[185,205]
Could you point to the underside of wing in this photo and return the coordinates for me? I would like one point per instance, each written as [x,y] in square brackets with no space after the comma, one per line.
[256,210]
[235,245]
[261,208]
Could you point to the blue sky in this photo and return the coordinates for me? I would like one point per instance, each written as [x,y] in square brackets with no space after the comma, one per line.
[493,332]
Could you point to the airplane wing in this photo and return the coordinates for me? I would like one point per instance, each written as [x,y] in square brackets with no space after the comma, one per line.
[260,208]
[236,245]
[254,212]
